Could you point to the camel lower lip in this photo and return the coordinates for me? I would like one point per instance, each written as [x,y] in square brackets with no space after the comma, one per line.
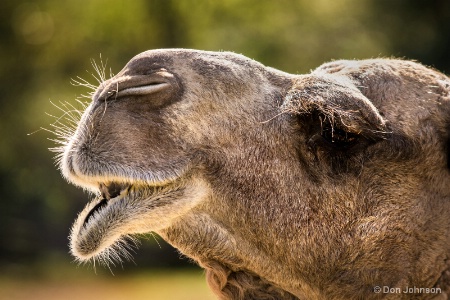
[105,220]
[103,202]
[108,192]
[101,228]
[96,207]
[91,232]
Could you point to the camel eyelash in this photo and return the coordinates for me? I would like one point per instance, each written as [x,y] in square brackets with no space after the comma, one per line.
[337,136]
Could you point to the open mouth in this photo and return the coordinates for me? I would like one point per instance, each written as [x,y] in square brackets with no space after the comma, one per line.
[122,210]
[108,192]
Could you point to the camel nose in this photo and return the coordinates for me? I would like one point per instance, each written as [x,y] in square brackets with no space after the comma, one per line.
[159,86]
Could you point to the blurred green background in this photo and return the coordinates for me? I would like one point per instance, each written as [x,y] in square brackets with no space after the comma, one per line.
[45,43]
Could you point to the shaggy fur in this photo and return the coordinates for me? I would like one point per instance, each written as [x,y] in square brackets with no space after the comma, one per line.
[318,186]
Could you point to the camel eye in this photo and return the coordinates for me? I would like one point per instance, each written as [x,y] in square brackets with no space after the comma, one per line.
[336,136]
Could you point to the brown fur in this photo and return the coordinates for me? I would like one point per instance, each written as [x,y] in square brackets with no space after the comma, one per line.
[318,186]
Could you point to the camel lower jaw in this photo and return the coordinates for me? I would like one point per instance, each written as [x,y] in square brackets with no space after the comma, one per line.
[105,221]
[100,229]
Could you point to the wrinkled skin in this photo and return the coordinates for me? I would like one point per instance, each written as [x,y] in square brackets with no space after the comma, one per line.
[318,186]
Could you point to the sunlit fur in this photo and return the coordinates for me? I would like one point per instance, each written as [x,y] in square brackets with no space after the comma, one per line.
[65,125]
[282,186]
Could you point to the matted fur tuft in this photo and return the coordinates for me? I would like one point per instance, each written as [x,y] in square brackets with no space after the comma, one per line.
[240,285]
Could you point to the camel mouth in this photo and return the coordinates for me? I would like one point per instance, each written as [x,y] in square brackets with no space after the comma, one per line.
[116,194]
[124,209]
[109,192]
[113,189]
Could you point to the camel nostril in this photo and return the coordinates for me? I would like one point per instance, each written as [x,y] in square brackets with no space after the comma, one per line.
[150,88]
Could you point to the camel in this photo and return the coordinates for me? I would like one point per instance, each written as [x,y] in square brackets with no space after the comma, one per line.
[328,185]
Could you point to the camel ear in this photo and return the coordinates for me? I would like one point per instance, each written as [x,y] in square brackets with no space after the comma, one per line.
[338,100]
